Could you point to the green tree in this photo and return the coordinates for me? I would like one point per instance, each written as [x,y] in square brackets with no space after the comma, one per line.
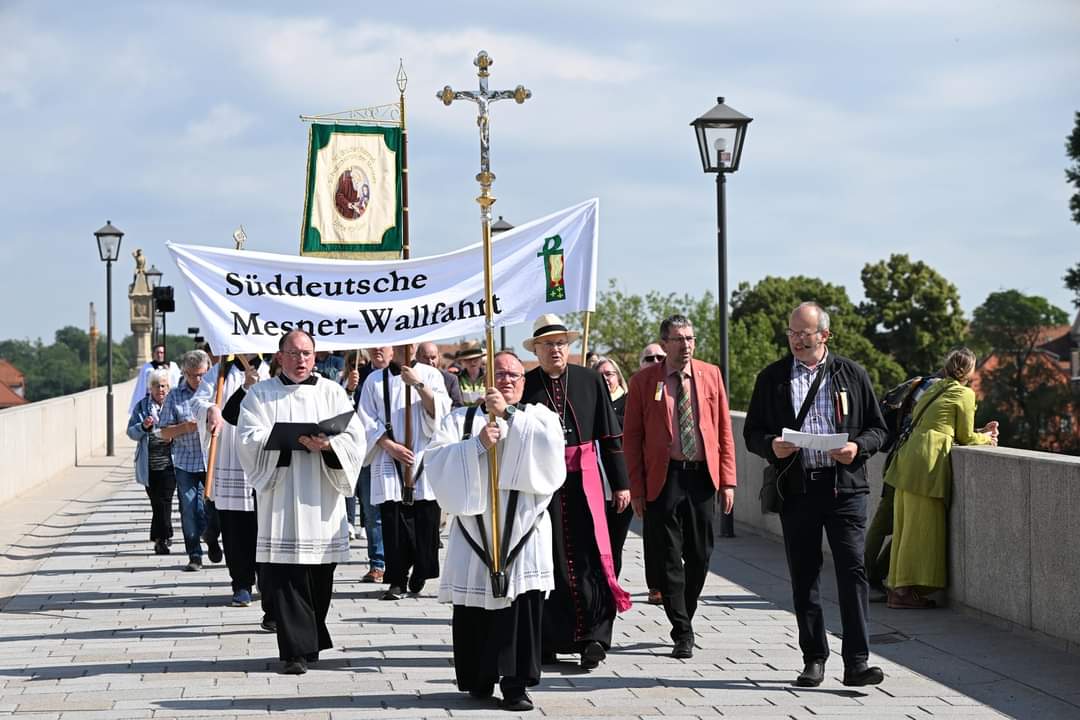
[912,313]
[1072,173]
[1020,386]
[751,348]
[774,298]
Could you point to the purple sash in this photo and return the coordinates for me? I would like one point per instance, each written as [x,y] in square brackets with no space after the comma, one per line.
[582,458]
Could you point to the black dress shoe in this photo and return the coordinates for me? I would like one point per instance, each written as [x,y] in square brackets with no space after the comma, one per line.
[812,674]
[393,593]
[416,587]
[683,650]
[296,666]
[160,548]
[547,657]
[863,674]
[268,624]
[591,656]
[517,703]
[482,692]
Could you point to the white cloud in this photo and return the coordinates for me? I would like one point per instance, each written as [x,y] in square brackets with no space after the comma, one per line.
[225,122]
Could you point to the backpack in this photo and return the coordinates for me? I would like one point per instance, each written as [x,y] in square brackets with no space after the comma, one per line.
[896,407]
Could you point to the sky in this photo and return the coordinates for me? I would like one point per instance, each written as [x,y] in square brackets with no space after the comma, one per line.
[879,127]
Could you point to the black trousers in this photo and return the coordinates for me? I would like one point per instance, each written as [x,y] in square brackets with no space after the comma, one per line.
[410,541]
[494,644]
[843,518]
[618,525]
[239,531]
[160,490]
[679,542]
[299,601]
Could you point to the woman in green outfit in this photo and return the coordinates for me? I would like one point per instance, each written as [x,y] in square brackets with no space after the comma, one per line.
[922,475]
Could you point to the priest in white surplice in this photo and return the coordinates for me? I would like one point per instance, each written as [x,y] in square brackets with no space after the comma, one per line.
[410,531]
[498,639]
[303,532]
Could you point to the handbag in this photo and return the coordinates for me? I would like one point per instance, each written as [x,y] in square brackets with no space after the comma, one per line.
[772,499]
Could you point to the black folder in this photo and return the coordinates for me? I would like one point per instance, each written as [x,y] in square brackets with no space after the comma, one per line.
[286,435]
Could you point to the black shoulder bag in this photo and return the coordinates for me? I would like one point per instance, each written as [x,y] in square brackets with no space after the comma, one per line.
[772,498]
[907,433]
[499,582]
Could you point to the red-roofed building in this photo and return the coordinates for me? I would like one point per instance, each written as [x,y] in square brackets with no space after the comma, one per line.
[1053,363]
[12,385]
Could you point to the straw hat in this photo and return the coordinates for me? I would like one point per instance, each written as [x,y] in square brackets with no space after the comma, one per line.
[549,324]
[469,349]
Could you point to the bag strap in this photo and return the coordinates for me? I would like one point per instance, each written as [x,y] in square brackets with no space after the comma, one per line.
[809,401]
[922,411]
[388,425]
[506,554]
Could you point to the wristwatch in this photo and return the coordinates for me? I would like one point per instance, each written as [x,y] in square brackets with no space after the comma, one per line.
[419,385]
[510,410]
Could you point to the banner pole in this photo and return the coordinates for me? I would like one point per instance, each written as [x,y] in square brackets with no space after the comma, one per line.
[408,480]
[211,460]
[483,98]
[585,340]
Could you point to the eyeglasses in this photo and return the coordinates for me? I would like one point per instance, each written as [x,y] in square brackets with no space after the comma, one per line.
[803,335]
[507,375]
[653,358]
[554,344]
[297,354]
[687,339]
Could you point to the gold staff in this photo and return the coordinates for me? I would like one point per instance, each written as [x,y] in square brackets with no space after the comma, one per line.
[483,98]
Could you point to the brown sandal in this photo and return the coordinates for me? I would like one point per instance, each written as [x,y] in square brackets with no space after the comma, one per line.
[907,599]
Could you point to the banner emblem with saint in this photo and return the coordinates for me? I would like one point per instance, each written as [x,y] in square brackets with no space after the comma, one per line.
[353,200]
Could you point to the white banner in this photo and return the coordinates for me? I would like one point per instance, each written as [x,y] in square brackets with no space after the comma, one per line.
[247,300]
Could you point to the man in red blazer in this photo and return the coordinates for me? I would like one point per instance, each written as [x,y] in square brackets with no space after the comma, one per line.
[679,454]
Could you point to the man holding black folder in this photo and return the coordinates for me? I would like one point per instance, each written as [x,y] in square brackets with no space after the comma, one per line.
[301,447]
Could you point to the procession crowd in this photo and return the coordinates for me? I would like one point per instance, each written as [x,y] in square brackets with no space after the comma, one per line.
[533,478]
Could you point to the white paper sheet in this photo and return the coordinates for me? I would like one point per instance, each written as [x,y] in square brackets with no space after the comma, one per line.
[810,441]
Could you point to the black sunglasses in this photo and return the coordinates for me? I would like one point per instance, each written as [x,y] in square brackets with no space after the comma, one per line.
[653,358]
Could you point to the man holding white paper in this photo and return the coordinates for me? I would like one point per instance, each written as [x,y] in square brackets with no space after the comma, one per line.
[823,489]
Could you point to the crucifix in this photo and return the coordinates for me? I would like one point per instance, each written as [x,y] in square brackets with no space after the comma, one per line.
[483,99]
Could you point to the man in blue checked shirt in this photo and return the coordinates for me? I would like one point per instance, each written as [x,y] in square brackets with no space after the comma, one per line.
[822,491]
[178,424]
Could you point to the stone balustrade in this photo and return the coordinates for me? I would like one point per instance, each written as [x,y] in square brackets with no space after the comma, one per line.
[41,439]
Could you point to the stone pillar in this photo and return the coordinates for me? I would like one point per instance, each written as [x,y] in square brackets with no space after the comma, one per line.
[141,299]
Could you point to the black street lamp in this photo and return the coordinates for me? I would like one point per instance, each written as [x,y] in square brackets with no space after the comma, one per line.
[153,278]
[108,241]
[501,226]
[720,134]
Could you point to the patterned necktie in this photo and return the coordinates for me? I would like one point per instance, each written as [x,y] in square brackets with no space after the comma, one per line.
[687,433]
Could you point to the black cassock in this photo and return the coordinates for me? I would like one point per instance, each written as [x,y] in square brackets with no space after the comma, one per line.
[581,608]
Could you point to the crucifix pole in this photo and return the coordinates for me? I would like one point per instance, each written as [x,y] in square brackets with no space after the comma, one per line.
[483,99]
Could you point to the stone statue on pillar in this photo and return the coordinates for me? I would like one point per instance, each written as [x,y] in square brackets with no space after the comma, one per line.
[141,299]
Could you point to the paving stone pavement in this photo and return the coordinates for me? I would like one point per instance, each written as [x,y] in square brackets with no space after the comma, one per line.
[95,625]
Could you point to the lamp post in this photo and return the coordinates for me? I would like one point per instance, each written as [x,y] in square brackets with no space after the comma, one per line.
[720,134]
[497,227]
[108,241]
[153,278]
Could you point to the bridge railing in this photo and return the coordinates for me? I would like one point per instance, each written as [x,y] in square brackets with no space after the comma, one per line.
[42,439]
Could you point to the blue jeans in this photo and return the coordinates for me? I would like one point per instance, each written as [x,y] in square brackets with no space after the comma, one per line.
[372,521]
[189,488]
